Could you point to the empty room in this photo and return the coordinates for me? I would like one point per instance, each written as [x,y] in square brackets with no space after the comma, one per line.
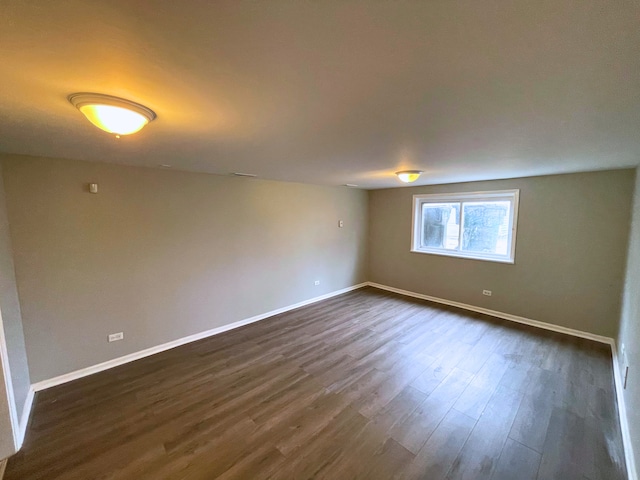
[337,240]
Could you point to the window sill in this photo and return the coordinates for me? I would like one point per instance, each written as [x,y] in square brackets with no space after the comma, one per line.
[466,256]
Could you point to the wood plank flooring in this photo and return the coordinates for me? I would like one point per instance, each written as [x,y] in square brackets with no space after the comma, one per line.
[368,385]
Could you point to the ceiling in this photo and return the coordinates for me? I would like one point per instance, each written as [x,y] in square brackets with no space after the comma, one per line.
[331,92]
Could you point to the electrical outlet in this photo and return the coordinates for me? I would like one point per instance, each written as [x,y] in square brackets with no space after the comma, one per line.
[340,224]
[114,337]
[317,282]
[486,292]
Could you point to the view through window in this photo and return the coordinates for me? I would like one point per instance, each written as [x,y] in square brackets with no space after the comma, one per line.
[475,225]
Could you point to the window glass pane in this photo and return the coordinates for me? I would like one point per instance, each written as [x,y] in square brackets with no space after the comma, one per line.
[440,225]
[486,227]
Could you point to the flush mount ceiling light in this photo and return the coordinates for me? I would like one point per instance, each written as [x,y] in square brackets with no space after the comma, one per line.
[112,114]
[408,176]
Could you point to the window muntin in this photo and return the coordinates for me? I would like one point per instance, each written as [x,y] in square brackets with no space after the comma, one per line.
[479,225]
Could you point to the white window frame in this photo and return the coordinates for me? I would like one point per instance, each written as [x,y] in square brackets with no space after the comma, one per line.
[513,196]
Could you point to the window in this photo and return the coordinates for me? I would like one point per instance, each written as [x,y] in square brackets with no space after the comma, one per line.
[480,225]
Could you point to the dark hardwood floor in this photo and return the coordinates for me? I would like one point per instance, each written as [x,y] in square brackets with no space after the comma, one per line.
[368,385]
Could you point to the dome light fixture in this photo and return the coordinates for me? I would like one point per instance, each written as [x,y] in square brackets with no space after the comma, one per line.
[409,176]
[112,114]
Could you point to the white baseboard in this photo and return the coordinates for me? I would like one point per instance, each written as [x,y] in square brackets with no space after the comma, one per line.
[494,313]
[24,418]
[83,372]
[622,412]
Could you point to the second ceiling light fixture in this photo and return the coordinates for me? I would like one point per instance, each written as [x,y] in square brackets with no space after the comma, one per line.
[409,176]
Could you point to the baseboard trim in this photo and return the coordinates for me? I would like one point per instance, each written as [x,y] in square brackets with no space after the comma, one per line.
[495,313]
[84,372]
[21,429]
[622,413]
[24,418]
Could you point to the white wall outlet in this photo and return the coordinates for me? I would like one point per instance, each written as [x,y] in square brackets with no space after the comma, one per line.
[486,292]
[340,224]
[114,337]
[317,282]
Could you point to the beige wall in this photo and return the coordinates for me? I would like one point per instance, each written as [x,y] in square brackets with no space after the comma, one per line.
[630,327]
[164,254]
[570,252]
